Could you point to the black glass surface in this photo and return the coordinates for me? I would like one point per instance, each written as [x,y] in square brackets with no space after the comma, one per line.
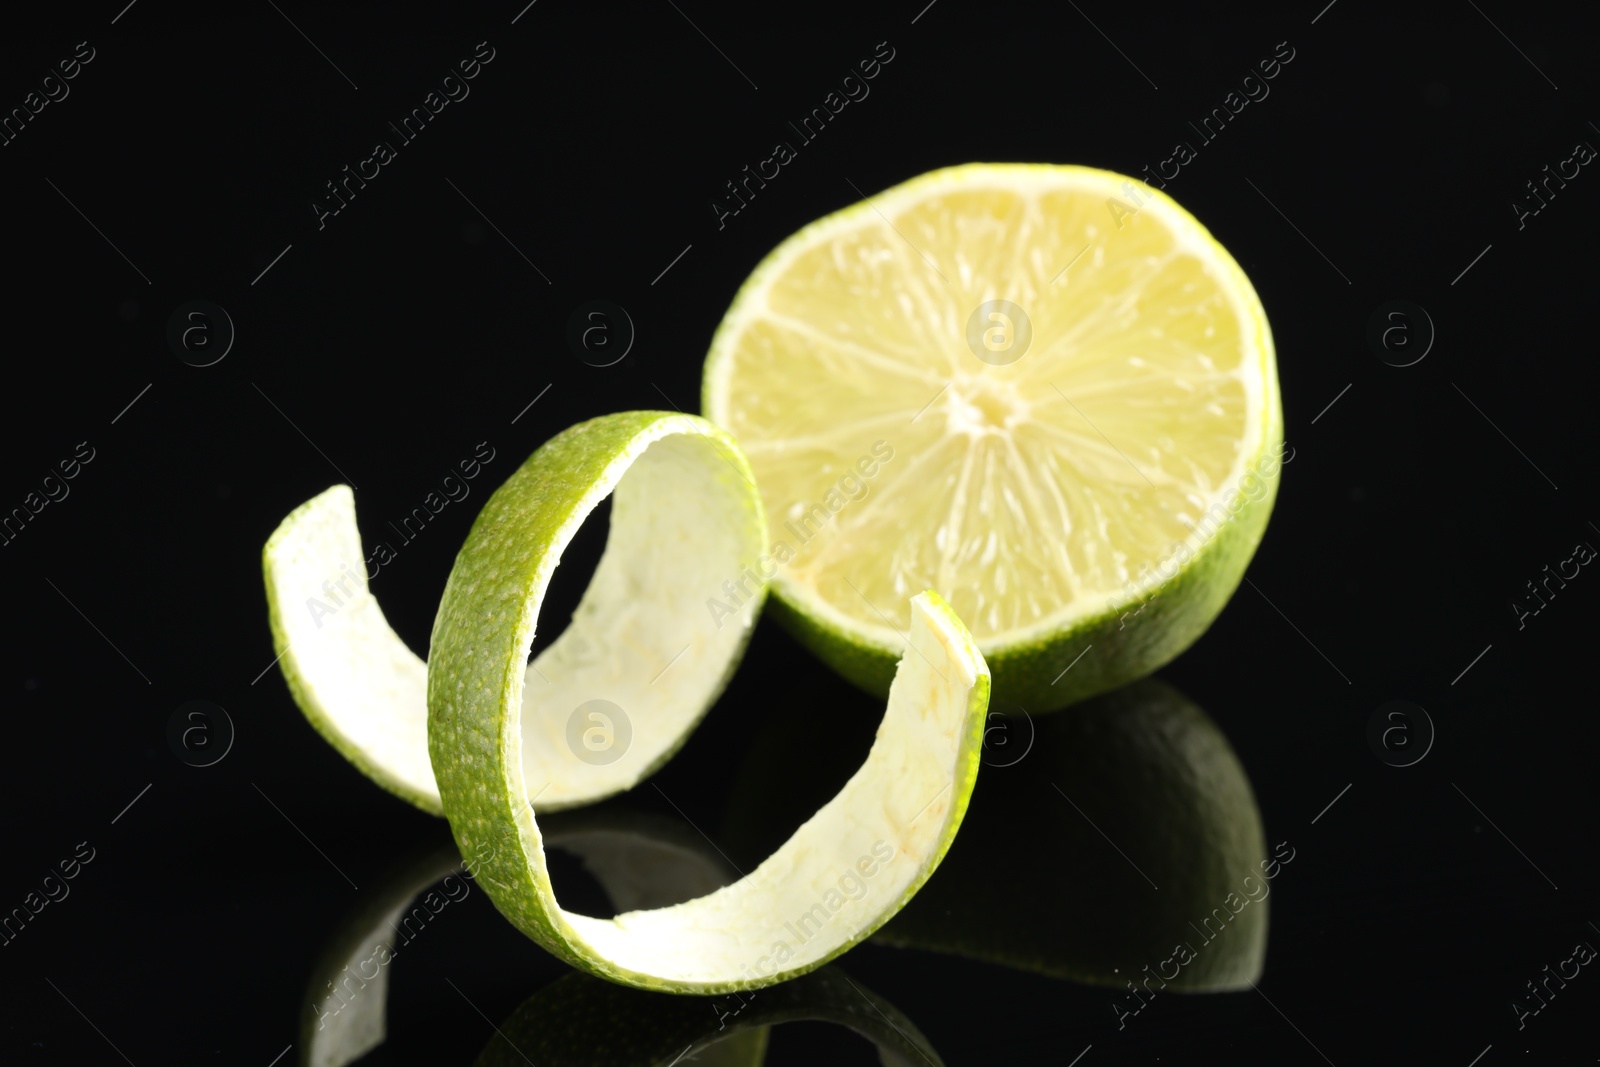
[206,336]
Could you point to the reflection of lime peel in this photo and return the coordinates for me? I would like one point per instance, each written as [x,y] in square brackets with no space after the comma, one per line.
[912,791]
[685,511]
[348,1011]
[1156,775]
[639,861]
[556,1027]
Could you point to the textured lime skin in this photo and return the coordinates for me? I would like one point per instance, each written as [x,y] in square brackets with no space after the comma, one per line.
[1157,777]
[1030,883]
[1028,672]
[479,651]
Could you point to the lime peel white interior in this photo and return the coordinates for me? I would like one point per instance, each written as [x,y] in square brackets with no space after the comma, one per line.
[641,639]
[350,673]
[855,328]
[841,875]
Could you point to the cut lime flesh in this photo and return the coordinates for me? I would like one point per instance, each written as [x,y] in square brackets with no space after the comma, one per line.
[1124,448]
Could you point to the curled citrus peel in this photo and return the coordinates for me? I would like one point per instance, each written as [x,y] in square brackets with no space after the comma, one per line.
[620,690]
[500,734]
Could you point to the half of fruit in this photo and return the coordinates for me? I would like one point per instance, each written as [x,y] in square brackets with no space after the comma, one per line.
[1045,392]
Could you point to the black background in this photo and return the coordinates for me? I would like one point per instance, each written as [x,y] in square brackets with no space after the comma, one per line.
[411,328]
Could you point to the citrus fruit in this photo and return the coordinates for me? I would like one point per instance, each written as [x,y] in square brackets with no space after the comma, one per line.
[1044,391]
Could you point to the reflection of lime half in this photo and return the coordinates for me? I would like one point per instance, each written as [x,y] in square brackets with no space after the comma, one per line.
[642,645]
[1140,787]
[579,1022]
[1043,391]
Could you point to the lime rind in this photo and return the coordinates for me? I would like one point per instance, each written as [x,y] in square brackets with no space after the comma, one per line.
[686,525]
[880,837]
[597,721]
[580,1021]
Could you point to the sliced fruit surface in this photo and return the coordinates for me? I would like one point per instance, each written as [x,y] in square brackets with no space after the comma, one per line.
[1044,391]
[617,693]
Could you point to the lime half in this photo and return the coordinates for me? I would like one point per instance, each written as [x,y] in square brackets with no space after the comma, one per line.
[1044,391]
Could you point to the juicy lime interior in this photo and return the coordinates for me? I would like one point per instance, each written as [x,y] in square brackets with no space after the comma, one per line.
[1042,455]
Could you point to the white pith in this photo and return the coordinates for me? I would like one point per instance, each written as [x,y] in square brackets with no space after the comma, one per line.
[642,637]
[815,895]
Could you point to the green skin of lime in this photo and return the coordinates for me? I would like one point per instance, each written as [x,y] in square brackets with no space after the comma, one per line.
[478,652]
